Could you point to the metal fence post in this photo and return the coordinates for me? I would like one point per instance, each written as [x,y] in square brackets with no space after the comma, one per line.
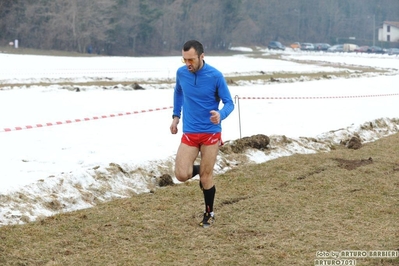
[237,100]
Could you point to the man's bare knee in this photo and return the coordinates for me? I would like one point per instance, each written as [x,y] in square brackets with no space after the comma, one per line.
[182,177]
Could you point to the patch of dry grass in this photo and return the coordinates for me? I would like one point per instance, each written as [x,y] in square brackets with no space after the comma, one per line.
[31,51]
[355,71]
[231,80]
[276,213]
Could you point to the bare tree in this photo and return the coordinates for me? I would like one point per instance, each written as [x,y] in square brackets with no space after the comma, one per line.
[140,27]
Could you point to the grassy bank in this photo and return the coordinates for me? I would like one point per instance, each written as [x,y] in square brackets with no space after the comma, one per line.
[277,213]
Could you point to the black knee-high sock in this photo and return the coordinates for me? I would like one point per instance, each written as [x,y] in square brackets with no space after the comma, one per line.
[196,170]
[209,198]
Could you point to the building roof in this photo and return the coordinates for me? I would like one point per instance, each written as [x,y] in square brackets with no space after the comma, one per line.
[392,23]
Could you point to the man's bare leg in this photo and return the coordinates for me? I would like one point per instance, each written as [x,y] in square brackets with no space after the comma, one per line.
[208,160]
[184,161]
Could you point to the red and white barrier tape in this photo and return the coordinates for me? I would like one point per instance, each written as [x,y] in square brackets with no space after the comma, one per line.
[170,107]
[316,97]
[85,71]
[9,129]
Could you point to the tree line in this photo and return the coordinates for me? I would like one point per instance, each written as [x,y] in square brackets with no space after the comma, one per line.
[160,27]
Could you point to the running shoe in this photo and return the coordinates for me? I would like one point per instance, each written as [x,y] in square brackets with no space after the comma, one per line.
[207,221]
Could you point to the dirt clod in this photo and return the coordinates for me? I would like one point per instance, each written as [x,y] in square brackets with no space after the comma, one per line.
[165,180]
[354,143]
[259,142]
[353,164]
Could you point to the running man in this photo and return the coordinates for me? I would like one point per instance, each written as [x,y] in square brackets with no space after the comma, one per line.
[197,94]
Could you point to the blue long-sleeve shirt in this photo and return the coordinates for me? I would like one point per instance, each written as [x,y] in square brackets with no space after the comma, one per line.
[196,94]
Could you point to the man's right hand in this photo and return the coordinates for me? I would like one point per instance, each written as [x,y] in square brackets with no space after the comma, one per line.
[173,126]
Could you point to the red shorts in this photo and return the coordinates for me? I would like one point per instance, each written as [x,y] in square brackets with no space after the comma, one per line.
[199,139]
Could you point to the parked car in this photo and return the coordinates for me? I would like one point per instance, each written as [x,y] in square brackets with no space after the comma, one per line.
[321,46]
[376,50]
[348,47]
[295,45]
[362,49]
[273,45]
[307,46]
[393,51]
[336,48]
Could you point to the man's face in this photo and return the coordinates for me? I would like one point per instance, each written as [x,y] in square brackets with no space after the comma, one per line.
[192,60]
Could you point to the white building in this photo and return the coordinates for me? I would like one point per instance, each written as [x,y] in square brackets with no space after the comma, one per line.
[389,32]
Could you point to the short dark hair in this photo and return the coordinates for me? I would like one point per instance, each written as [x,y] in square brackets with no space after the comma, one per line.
[198,47]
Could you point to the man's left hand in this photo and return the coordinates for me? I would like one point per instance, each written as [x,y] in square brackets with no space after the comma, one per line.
[215,117]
